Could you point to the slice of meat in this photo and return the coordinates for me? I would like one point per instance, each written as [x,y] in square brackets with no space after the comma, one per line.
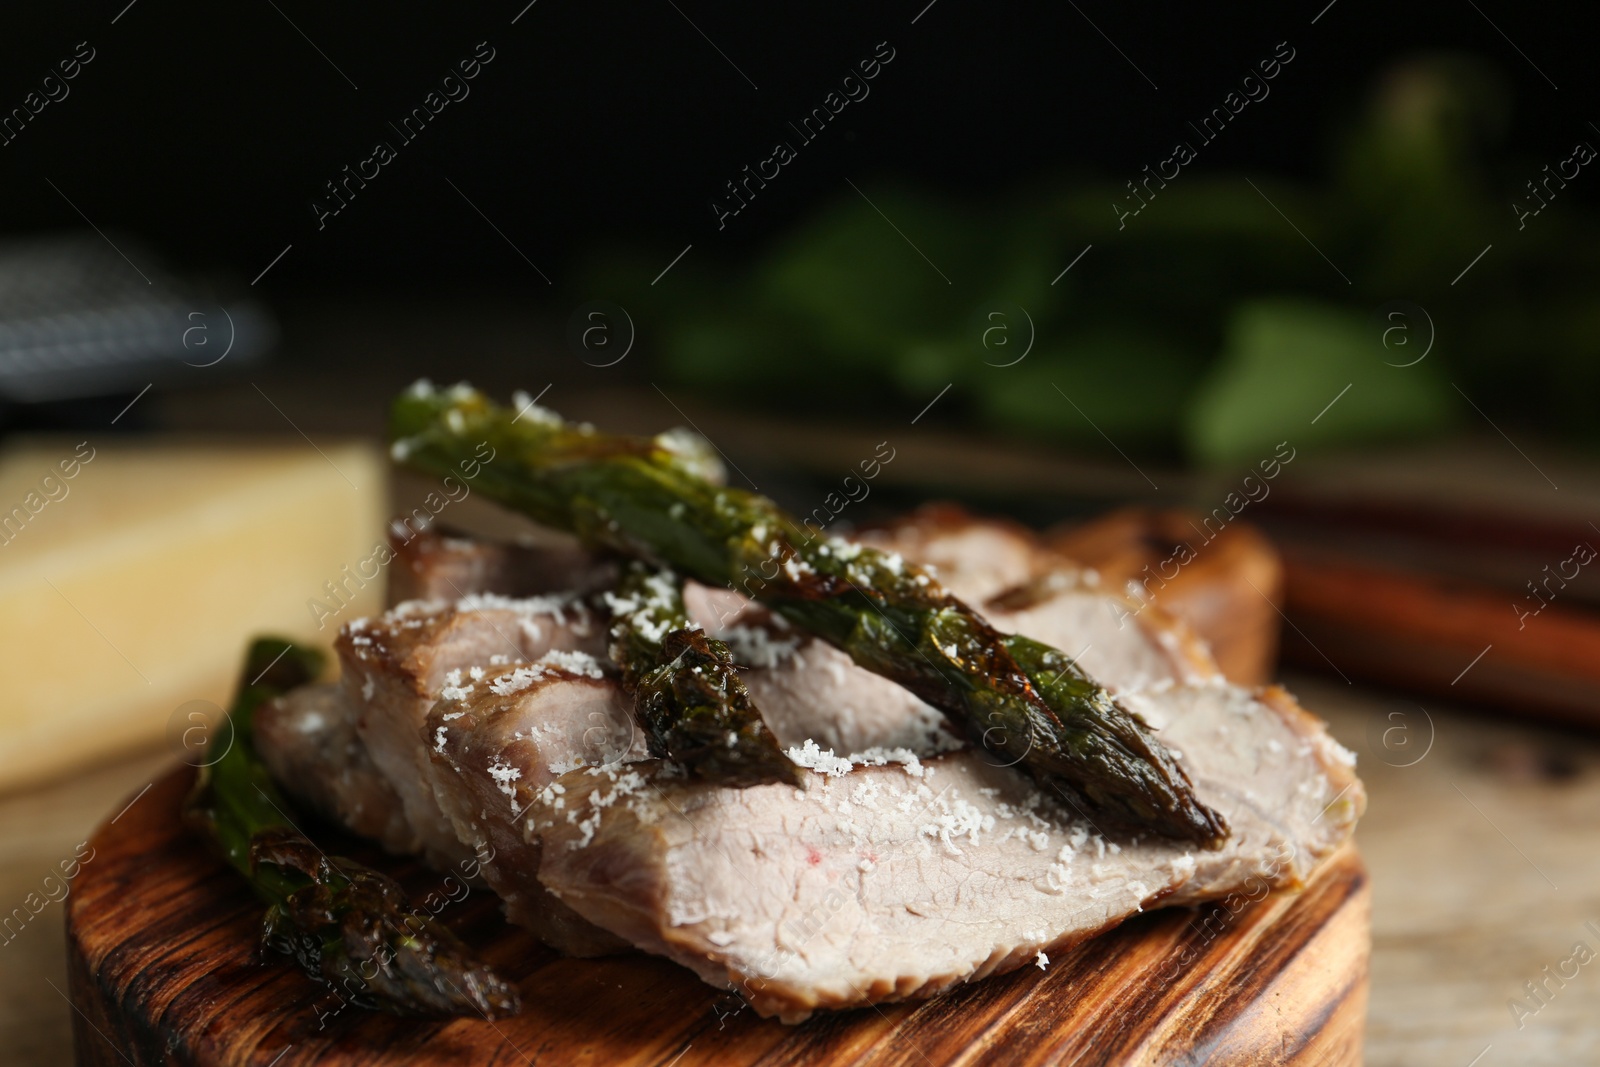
[814,692]
[1120,647]
[808,690]
[1285,780]
[973,558]
[308,740]
[1222,578]
[499,737]
[438,563]
[891,882]
[1025,584]
[393,668]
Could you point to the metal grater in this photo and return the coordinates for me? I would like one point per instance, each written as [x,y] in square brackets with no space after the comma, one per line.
[77,319]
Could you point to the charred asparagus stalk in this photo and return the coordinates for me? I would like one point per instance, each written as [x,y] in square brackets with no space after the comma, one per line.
[1027,702]
[346,924]
[694,708]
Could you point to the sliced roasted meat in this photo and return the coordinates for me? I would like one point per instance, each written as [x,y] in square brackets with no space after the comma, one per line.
[437,563]
[974,558]
[396,665]
[308,739]
[902,880]
[1289,784]
[807,689]
[1024,586]
[393,668]
[814,692]
[1120,646]
[496,739]
[1223,578]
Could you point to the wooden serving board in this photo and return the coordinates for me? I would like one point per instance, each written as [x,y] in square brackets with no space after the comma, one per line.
[163,970]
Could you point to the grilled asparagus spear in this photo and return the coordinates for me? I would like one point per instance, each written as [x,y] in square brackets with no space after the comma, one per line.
[1023,700]
[346,924]
[694,708]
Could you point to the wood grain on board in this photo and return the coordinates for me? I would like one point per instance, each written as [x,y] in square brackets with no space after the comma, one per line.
[163,970]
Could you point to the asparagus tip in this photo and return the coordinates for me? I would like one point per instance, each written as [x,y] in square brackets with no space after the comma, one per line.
[355,929]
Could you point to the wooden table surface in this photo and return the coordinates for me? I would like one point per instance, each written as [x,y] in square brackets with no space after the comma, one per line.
[1484,855]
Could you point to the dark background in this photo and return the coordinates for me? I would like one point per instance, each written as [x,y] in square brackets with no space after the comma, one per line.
[206,130]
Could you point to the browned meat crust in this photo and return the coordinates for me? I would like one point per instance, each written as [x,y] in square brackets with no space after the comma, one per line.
[439,563]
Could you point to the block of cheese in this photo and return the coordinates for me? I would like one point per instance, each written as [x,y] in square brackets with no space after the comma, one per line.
[132,574]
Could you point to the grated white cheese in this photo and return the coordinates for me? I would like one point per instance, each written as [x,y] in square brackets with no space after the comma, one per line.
[878,757]
[516,681]
[958,818]
[625,784]
[814,758]
[756,646]
[505,777]
[580,663]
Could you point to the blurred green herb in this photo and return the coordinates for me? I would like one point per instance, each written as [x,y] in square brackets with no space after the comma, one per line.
[1205,327]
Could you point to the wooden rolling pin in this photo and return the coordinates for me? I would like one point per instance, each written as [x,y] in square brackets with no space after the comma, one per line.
[1463,606]
[1442,637]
